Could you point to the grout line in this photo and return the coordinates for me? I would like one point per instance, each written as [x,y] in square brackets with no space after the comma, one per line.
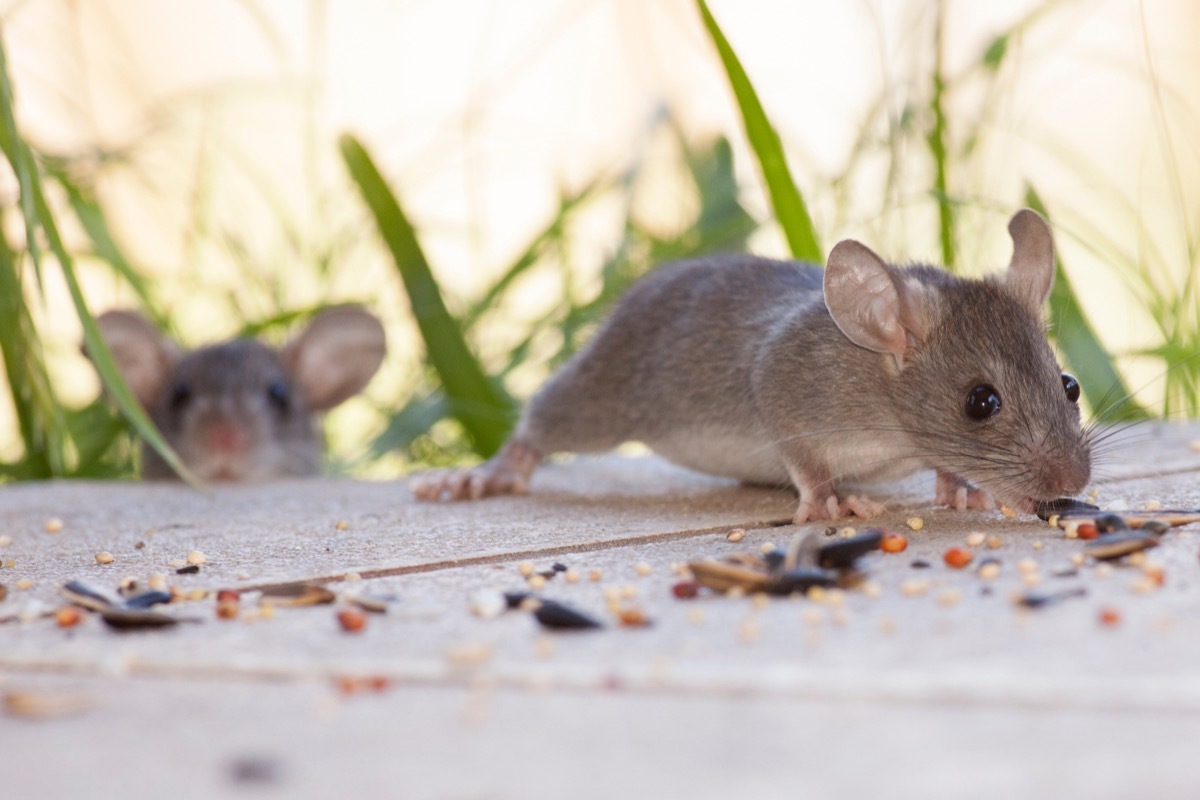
[528,554]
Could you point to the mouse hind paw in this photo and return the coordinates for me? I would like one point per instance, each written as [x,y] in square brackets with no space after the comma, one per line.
[832,508]
[960,495]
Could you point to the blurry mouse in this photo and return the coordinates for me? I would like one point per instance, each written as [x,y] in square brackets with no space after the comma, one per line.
[242,411]
[771,372]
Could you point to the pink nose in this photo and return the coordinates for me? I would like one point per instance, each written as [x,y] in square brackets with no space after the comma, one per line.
[226,437]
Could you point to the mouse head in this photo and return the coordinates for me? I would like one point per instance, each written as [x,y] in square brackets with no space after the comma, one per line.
[242,411]
[971,375]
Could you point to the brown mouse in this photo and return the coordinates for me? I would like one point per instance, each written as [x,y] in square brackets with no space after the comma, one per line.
[774,372]
[243,411]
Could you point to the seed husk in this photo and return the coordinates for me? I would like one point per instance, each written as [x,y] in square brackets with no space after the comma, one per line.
[297,594]
[1062,506]
[367,602]
[557,616]
[1117,545]
[104,557]
[90,597]
[800,579]
[735,535]
[127,619]
[842,553]
[722,577]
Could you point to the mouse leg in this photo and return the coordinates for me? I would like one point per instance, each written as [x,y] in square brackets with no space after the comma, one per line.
[819,500]
[960,495]
[507,472]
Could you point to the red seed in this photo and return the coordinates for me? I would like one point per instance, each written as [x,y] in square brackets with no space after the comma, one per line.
[67,617]
[685,590]
[227,609]
[893,543]
[378,683]
[352,620]
[1087,530]
[228,596]
[1109,617]
[957,557]
[633,618]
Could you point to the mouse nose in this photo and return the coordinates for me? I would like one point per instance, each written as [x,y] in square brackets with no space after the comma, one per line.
[225,436]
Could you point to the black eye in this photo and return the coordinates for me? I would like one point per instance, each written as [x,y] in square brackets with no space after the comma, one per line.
[279,394]
[1071,387]
[181,393]
[983,402]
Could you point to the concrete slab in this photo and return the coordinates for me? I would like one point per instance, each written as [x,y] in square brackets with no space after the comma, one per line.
[941,691]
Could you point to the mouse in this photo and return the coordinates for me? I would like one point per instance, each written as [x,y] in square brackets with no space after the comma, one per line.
[781,372]
[242,411]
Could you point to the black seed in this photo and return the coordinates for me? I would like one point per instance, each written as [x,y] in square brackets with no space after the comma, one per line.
[919,563]
[1043,599]
[800,579]
[147,599]
[831,530]
[190,569]
[775,558]
[842,553]
[558,566]
[1062,506]
[1155,526]
[1065,572]
[557,616]
[547,573]
[1107,523]
[514,599]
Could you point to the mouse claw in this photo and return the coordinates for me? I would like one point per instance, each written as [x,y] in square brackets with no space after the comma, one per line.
[507,472]
[959,495]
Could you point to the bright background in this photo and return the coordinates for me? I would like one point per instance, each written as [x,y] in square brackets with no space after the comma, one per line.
[209,133]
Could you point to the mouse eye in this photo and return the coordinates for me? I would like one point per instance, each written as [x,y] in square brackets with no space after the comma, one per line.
[982,402]
[1071,387]
[181,393]
[279,394]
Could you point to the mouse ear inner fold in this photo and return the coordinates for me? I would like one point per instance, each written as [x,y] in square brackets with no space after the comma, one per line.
[1031,271]
[143,355]
[870,304]
[336,356]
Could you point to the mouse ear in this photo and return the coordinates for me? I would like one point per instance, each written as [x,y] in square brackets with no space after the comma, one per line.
[144,356]
[1031,271]
[336,356]
[870,304]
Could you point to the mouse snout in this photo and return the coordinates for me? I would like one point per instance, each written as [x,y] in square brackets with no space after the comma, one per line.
[1065,477]
[223,435]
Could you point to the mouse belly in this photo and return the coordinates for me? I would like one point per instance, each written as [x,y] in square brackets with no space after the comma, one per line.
[745,456]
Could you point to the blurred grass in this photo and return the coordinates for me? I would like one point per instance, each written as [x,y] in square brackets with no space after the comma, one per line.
[459,402]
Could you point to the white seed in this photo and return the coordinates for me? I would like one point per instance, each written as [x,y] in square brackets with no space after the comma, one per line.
[24,584]
[642,569]
[536,582]
[596,575]
[468,653]
[766,547]
[52,525]
[872,589]
[351,577]
[759,600]
[104,557]
[5,540]
[571,576]
[487,604]
[1027,565]
[995,542]
[989,571]
[1038,544]
[1053,521]
[1153,505]
[735,535]
[750,630]
[157,582]
[914,587]
[341,525]
[949,597]
[1104,570]
[915,523]
[1008,512]
[1137,559]
[196,558]
[1030,578]
[847,532]
[628,591]
[976,538]
[1072,530]
[696,616]
[525,568]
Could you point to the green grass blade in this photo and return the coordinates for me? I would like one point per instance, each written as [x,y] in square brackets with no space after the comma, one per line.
[1086,357]
[936,141]
[786,200]
[33,203]
[481,406]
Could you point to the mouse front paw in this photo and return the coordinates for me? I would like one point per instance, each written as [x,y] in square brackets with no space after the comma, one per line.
[833,508]
[507,472]
[960,495]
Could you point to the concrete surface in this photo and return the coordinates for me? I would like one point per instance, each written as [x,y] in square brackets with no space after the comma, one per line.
[950,693]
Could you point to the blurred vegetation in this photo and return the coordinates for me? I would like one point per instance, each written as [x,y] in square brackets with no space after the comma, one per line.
[462,404]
